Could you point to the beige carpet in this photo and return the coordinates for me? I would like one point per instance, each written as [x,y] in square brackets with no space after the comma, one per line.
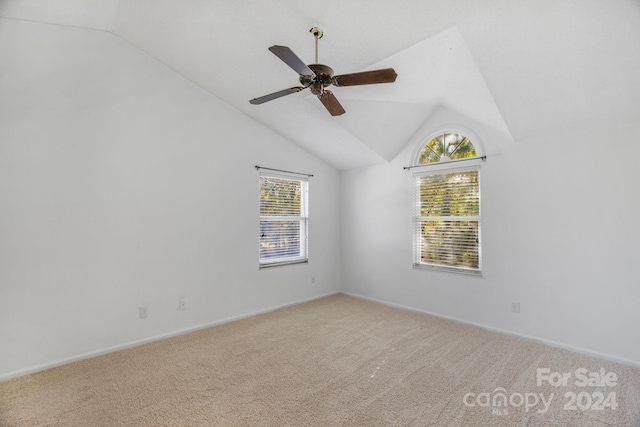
[338,361]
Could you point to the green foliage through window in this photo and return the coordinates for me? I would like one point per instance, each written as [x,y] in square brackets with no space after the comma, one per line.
[445,147]
[447,219]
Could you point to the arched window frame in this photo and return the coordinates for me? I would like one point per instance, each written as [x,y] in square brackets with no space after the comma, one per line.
[464,166]
[477,144]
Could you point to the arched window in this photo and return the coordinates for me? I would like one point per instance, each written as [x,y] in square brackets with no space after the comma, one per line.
[445,147]
[446,206]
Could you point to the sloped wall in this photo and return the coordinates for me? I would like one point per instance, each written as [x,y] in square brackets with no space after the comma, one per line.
[123,184]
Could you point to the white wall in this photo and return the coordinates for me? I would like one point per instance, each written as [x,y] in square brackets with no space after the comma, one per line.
[123,184]
[560,235]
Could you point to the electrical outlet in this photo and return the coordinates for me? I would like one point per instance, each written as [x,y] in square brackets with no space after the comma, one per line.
[515,307]
[142,311]
[183,304]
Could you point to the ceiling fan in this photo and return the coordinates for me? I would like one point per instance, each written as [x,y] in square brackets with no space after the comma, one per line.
[317,77]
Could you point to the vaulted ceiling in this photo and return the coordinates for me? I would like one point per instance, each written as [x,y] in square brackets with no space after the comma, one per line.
[508,69]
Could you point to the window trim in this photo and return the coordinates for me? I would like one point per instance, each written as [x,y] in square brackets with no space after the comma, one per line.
[435,168]
[303,218]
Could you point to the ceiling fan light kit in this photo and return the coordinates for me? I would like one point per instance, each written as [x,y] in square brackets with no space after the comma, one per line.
[317,77]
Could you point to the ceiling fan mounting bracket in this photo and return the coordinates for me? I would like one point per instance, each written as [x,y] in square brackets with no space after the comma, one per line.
[316,31]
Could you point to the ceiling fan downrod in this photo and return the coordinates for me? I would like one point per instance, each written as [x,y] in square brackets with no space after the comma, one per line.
[317,33]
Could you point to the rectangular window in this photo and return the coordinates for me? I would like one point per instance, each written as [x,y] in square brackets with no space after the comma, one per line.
[447,220]
[284,219]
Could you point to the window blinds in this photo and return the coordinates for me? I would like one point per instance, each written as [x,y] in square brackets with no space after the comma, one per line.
[447,220]
[283,219]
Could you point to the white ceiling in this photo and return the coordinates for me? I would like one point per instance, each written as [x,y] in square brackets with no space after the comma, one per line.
[508,69]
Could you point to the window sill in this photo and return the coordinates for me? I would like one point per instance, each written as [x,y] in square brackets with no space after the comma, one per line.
[445,269]
[279,263]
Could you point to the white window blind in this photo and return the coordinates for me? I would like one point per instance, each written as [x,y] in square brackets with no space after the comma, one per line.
[284,219]
[447,220]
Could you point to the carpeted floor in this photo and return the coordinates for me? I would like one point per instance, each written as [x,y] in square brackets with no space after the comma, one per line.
[338,361]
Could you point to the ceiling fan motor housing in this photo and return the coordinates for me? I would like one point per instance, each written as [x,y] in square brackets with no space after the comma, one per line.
[322,78]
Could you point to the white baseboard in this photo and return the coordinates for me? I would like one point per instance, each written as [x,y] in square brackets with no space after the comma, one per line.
[112,349]
[581,350]
[107,350]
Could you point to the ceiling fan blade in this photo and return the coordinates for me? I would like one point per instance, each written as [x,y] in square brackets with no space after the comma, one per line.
[290,58]
[331,103]
[276,95]
[386,75]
